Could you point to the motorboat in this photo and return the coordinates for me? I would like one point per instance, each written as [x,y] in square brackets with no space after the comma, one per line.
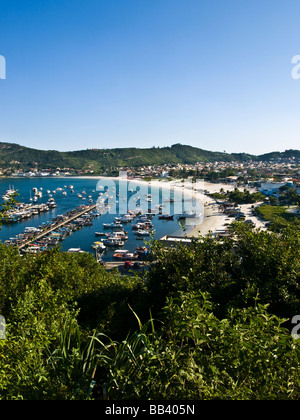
[143,232]
[125,255]
[111,225]
[113,241]
[187,214]
[126,218]
[75,250]
[8,194]
[166,217]
[120,253]
[99,245]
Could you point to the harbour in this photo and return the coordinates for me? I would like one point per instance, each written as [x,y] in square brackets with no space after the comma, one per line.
[73,215]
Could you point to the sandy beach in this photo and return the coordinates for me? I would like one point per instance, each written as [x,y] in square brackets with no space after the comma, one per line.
[213,220]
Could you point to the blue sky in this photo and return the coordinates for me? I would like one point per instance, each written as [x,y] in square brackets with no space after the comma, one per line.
[214,74]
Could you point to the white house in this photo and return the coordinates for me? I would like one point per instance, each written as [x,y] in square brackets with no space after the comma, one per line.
[271,188]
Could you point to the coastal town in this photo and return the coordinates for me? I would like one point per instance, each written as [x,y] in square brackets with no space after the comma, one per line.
[247,171]
[231,192]
[262,193]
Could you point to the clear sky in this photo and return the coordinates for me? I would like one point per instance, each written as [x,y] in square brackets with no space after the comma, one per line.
[214,74]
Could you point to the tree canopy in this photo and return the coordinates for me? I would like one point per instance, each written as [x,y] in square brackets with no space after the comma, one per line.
[207,321]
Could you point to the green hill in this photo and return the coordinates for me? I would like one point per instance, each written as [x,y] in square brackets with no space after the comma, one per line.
[20,157]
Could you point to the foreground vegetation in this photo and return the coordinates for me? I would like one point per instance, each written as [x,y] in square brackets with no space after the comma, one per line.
[208,321]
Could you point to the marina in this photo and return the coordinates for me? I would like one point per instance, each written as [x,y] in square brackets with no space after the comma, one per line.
[76,218]
[57,230]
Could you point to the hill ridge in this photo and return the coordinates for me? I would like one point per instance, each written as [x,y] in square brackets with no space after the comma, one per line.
[22,157]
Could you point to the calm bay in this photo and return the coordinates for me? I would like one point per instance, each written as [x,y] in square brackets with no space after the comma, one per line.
[71,192]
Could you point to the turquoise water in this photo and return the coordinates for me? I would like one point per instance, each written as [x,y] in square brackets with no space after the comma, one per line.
[121,195]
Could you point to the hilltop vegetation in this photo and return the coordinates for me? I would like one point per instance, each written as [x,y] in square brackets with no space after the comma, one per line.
[208,321]
[20,157]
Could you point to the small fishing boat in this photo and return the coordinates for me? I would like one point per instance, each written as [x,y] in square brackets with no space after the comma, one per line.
[187,214]
[113,242]
[8,194]
[166,217]
[75,250]
[125,255]
[99,245]
[143,232]
[111,225]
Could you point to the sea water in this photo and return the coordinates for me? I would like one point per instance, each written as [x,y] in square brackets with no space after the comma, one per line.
[120,194]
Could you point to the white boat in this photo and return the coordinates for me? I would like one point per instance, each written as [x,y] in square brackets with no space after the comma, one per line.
[187,214]
[100,234]
[8,194]
[113,242]
[122,251]
[126,218]
[30,229]
[75,250]
[111,225]
[131,256]
[33,249]
[124,254]
[51,203]
[99,245]
[143,232]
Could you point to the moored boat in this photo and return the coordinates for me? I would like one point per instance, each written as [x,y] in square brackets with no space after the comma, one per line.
[166,217]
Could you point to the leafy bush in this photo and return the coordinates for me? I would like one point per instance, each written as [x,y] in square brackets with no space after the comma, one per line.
[247,355]
[217,328]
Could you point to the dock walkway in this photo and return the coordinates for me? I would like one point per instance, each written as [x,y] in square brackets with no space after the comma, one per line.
[57,226]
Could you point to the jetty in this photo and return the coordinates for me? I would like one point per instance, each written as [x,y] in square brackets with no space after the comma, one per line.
[71,217]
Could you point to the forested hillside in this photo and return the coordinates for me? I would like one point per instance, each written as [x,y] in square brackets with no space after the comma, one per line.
[20,157]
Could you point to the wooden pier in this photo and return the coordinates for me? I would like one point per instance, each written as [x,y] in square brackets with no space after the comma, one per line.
[57,226]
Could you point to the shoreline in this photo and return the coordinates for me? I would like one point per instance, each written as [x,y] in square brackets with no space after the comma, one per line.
[212,221]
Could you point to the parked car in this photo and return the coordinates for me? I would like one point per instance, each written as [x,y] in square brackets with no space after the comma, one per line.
[127,264]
